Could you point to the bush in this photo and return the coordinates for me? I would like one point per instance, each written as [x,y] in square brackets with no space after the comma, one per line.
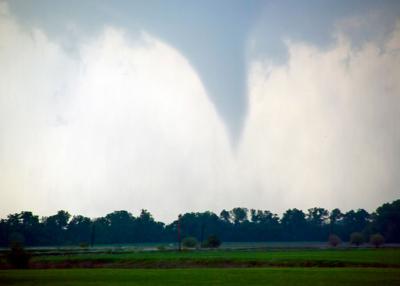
[377,239]
[189,242]
[212,242]
[83,245]
[356,238]
[161,248]
[334,240]
[18,257]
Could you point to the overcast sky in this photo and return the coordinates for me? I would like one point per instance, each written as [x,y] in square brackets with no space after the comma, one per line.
[177,106]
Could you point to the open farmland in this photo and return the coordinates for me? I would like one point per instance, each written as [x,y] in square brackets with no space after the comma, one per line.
[224,258]
[232,276]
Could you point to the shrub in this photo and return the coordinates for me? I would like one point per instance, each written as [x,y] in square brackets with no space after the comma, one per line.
[377,239]
[356,238]
[334,240]
[189,242]
[83,245]
[18,257]
[212,242]
[161,248]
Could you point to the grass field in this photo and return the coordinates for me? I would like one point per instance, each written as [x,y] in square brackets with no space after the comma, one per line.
[214,267]
[236,258]
[230,276]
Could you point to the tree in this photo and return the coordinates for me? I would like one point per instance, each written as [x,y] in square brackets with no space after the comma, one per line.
[355,221]
[189,242]
[32,229]
[387,221]
[225,216]
[264,226]
[212,242]
[255,215]
[146,229]
[120,226]
[56,227]
[79,230]
[101,231]
[3,232]
[317,219]
[26,225]
[60,219]
[294,225]
[239,224]
[317,216]
[190,225]
[239,215]
[334,240]
[377,240]
[356,238]
[335,218]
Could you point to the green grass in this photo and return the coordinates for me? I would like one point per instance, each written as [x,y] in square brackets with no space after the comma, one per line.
[334,257]
[203,276]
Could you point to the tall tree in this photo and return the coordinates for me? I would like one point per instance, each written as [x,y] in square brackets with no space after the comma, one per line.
[294,225]
[121,226]
[239,215]
[225,216]
[387,221]
[56,226]
[79,230]
[335,218]
[317,219]
[355,221]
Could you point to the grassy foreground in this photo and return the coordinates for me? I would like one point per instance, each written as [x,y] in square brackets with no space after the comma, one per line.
[224,258]
[203,276]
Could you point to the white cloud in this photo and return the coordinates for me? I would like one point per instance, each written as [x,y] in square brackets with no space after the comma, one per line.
[324,129]
[128,125]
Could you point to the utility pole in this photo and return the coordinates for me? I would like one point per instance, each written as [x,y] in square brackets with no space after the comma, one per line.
[93,234]
[179,233]
[203,226]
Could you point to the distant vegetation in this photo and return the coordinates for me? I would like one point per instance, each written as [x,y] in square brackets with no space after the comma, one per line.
[17,256]
[377,240]
[334,240]
[207,228]
[216,276]
[190,242]
[356,238]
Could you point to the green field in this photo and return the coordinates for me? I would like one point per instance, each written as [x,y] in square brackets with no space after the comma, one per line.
[224,258]
[214,267]
[226,276]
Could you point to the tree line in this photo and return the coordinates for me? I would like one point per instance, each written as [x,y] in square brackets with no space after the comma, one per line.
[236,225]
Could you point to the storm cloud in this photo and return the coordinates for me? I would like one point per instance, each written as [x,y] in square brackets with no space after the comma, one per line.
[126,123]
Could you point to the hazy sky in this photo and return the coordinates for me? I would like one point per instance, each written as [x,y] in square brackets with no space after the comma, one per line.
[178,106]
